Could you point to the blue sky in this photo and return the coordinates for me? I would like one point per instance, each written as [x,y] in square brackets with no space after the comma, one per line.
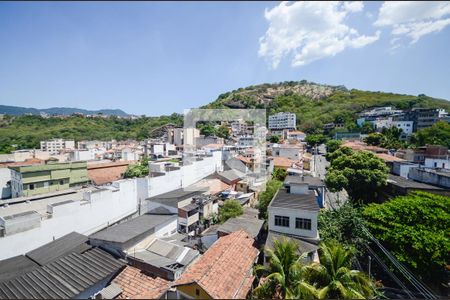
[157,58]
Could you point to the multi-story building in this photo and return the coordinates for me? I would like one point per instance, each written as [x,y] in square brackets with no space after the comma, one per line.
[423,117]
[282,120]
[54,146]
[181,136]
[293,214]
[51,177]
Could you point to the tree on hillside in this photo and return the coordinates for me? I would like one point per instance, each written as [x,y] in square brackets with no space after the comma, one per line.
[330,156]
[223,132]
[360,173]
[208,130]
[333,145]
[415,229]
[315,139]
[438,134]
[367,127]
[230,209]
[374,139]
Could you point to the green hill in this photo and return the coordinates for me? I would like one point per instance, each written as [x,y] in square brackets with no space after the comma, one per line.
[317,104]
[314,105]
[27,131]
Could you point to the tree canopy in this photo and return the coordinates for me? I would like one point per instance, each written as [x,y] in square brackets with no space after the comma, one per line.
[315,139]
[438,134]
[415,229]
[230,209]
[360,173]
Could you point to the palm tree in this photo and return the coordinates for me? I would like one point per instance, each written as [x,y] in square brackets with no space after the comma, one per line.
[333,276]
[282,278]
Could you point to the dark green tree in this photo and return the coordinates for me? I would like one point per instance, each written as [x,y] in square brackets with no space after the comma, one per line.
[264,198]
[360,173]
[274,139]
[415,229]
[279,174]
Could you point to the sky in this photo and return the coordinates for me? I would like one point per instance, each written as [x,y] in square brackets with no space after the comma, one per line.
[157,58]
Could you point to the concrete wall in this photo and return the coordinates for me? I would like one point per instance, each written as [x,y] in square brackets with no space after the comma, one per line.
[5,187]
[427,176]
[100,209]
[402,169]
[292,214]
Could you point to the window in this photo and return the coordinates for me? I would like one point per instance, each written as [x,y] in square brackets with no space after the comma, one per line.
[46,184]
[61,182]
[301,223]
[282,221]
[31,186]
[197,292]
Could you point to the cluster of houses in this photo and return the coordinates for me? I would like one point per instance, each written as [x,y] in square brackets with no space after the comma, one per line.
[80,230]
[425,168]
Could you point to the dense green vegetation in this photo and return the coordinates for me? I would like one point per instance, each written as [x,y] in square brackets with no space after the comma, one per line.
[264,198]
[344,225]
[340,106]
[438,134]
[137,170]
[415,229]
[287,276]
[24,132]
[230,209]
[360,173]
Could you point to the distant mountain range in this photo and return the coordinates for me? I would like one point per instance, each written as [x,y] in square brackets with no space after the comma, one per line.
[17,110]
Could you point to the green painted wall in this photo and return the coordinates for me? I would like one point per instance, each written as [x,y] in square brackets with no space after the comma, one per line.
[47,178]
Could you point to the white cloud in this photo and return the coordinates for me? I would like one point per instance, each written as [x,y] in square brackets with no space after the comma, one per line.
[413,19]
[310,31]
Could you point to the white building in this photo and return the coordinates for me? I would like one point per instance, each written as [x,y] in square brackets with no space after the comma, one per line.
[54,146]
[30,224]
[181,136]
[293,152]
[437,163]
[282,120]
[5,183]
[294,135]
[406,126]
[293,214]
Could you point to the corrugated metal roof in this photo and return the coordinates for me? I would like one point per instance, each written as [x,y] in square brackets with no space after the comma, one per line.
[64,278]
[283,199]
[15,266]
[111,291]
[133,230]
[72,242]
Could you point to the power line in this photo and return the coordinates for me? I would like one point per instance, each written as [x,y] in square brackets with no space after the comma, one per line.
[418,285]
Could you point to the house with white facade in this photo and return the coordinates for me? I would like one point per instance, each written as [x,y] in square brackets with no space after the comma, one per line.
[54,146]
[291,151]
[292,214]
[443,163]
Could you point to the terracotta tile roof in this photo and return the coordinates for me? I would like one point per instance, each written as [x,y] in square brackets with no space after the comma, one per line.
[27,162]
[245,160]
[225,270]
[388,158]
[283,162]
[107,172]
[137,285]
[214,185]
[216,146]
[358,146]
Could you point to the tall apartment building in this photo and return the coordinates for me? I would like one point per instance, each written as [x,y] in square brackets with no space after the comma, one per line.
[54,146]
[282,120]
[423,117]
